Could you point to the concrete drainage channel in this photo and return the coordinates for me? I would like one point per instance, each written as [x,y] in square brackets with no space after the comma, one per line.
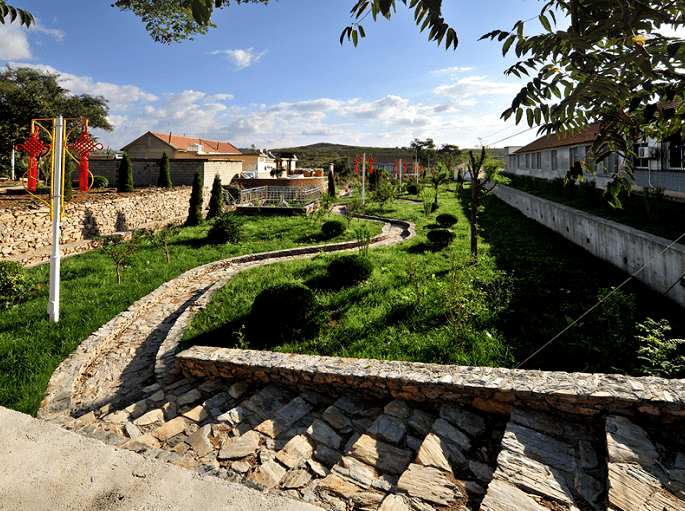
[350,434]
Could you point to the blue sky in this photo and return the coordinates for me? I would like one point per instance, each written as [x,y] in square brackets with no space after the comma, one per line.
[276,75]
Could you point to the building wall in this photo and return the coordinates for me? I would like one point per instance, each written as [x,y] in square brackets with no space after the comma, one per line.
[627,248]
[149,147]
[146,171]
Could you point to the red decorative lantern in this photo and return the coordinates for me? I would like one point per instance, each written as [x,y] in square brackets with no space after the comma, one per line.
[84,146]
[356,164]
[395,167]
[371,164]
[405,166]
[34,146]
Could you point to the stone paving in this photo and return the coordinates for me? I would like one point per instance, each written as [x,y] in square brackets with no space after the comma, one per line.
[342,452]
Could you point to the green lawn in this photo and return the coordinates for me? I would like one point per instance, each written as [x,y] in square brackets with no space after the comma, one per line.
[31,347]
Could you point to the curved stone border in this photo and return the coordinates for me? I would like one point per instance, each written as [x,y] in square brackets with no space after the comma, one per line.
[60,390]
[495,390]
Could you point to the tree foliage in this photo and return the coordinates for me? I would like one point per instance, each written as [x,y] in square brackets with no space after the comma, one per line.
[216,200]
[27,94]
[173,21]
[164,180]
[196,200]
[24,18]
[125,175]
[611,66]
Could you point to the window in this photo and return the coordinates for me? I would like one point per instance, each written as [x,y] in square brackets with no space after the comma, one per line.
[539,162]
[573,155]
[675,156]
[555,162]
[518,161]
[527,161]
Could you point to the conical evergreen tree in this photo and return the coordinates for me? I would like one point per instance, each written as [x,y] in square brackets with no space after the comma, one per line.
[68,169]
[195,210]
[164,180]
[125,176]
[216,201]
[331,183]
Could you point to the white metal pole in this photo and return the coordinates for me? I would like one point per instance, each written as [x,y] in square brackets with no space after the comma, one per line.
[12,164]
[53,303]
[363,178]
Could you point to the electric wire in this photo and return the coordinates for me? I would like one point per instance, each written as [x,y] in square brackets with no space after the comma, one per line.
[604,299]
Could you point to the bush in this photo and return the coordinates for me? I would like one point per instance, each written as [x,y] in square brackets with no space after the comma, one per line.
[100,182]
[441,238]
[414,188]
[125,176]
[349,270]
[333,228]
[164,180]
[282,312]
[216,201]
[434,207]
[12,278]
[67,186]
[227,228]
[446,220]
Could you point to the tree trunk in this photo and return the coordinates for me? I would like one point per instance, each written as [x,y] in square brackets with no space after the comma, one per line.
[474,218]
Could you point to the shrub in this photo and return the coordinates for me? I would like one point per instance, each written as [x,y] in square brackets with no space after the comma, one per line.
[67,185]
[282,312]
[100,182]
[654,201]
[12,278]
[164,180]
[440,238]
[195,210]
[414,188]
[331,183]
[333,228]
[216,201]
[446,220]
[589,191]
[125,176]
[227,228]
[349,270]
[434,207]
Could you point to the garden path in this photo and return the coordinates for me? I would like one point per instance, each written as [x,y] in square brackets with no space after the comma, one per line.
[341,452]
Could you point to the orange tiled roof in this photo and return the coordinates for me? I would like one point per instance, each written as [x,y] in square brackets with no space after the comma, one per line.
[210,146]
[587,134]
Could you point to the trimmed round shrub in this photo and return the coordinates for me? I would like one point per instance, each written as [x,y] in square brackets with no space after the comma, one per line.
[12,278]
[100,182]
[446,220]
[227,227]
[434,207]
[440,238]
[282,311]
[414,188]
[333,228]
[349,270]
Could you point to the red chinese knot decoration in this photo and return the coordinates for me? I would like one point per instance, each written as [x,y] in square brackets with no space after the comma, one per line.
[356,165]
[84,146]
[371,164]
[34,147]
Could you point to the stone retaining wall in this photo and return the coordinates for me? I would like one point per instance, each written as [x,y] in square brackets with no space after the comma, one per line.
[627,248]
[492,390]
[26,235]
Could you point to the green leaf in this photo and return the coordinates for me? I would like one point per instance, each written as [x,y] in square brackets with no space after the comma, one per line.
[519,115]
[507,44]
[361,31]
[545,22]
[355,39]
[529,115]
[201,13]
[672,49]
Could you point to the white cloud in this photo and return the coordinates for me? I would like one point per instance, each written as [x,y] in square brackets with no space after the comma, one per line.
[218,97]
[241,58]
[475,85]
[57,33]
[381,109]
[13,42]
[452,70]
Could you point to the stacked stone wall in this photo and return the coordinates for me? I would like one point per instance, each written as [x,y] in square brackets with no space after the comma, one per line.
[146,171]
[26,235]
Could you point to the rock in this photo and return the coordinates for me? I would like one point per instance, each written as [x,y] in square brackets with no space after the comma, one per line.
[351,404]
[388,428]
[271,428]
[240,466]
[502,496]
[628,443]
[296,479]
[337,485]
[429,484]
[150,417]
[482,471]
[413,443]
[631,488]
[132,431]
[366,500]
[136,409]
[199,441]
[235,448]
[436,452]
[334,416]
[322,432]
[446,431]
[234,416]
[293,411]
[540,447]
[189,397]
[355,471]
[386,483]
[398,408]
[382,456]
[326,455]
[269,474]
[318,469]
[217,403]
[465,420]
[169,410]
[295,451]
[238,389]
[157,396]
[421,422]
[197,414]
[120,417]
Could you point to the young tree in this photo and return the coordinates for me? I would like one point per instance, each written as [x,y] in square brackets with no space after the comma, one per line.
[216,201]
[125,175]
[118,249]
[196,199]
[489,170]
[164,180]
[439,176]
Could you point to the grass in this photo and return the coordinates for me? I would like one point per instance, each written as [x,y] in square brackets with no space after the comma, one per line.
[435,306]
[666,221]
[31,347]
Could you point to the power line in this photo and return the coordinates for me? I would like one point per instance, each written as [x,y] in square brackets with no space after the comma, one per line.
[603,300]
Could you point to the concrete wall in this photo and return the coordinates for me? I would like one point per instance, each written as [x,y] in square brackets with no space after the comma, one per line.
[627,248]
[146,171]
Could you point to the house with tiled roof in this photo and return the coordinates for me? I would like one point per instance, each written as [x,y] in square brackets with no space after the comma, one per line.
[153,145]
